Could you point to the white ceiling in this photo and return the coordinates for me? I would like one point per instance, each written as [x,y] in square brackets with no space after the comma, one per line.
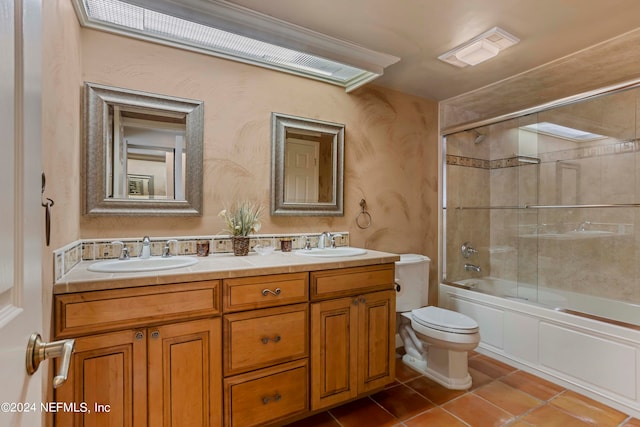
[418,31]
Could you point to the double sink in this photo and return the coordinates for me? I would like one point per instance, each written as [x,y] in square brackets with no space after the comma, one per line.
[135,265]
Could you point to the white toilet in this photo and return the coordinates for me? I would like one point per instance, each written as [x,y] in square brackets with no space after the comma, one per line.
[436,340]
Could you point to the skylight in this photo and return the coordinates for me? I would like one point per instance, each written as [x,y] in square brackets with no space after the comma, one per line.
[123,17]
[564,132]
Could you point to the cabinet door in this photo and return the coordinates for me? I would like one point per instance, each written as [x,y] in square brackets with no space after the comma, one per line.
[107,370]
[185,376]
[376,340]
[333,352]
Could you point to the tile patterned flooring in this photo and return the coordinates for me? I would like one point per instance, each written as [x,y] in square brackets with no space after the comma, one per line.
[500,396]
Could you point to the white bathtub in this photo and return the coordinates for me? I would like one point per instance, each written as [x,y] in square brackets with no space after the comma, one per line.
[596,357]
[556,299]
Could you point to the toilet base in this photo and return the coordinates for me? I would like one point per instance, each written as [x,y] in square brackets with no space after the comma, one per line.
[421,365]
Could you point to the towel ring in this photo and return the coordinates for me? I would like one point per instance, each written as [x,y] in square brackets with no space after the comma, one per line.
[363,220]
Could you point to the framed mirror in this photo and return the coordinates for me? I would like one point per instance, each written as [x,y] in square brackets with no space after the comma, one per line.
[142,153]
[307,166]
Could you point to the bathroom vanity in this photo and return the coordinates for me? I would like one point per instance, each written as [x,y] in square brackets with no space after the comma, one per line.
[234,341]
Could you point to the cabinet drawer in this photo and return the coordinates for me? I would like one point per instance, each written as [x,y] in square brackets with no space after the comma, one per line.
[259,338]
[266,396]
[247,293]
[351,281]
[90,312]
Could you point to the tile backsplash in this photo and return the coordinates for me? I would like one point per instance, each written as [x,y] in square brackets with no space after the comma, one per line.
[69,256]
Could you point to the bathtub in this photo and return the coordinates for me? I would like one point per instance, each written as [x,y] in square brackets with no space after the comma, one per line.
[587,344]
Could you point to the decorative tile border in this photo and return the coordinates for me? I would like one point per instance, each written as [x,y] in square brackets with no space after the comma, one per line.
[468,162]
[563,155]
[70,255]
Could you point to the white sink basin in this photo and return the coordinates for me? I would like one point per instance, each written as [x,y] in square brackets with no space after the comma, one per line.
[137,264]
[331,252]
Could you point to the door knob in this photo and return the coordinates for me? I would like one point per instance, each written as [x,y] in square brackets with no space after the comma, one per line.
[37,351]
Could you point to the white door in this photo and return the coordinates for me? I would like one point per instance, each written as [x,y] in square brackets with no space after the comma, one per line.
[302,177]
[20,209]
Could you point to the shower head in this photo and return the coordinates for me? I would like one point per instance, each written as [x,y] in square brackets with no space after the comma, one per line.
[479,137]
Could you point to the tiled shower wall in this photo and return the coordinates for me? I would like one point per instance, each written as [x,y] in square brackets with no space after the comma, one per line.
[512,168]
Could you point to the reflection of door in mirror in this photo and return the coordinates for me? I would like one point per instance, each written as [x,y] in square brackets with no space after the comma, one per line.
[147,156]
[309,167]
[301,171]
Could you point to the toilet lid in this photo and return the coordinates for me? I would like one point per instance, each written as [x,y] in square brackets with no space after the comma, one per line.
[444,320]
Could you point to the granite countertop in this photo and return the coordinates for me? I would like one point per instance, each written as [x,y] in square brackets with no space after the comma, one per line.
[216,266]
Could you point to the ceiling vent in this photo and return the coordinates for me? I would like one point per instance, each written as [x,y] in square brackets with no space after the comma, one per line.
[480,48]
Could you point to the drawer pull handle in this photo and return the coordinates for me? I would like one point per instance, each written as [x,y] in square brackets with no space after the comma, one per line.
[275,398]
[275,293]
[265,340]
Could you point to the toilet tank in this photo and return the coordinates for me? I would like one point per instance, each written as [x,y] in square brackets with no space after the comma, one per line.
[412,280]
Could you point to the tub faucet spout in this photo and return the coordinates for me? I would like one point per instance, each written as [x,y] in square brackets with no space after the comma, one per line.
[472,267]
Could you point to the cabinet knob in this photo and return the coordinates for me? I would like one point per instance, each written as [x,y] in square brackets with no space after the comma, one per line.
[155,335]
[275,293]
[274,398]
[139,335]
[38,351]
[265,340]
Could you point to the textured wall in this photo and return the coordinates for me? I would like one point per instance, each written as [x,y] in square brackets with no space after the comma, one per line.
[61,80]
[390,143]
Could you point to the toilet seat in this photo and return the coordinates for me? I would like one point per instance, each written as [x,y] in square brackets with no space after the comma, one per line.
[444,320]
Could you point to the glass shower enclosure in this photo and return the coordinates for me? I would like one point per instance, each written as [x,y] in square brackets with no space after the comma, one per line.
[544,207]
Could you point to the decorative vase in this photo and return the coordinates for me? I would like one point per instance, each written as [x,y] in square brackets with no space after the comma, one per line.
[240,245]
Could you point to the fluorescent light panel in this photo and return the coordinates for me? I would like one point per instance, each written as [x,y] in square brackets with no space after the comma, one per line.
[123,17]
[564,132]
[480,48]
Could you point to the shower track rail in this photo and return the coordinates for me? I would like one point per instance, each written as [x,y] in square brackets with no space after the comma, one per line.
[614,205]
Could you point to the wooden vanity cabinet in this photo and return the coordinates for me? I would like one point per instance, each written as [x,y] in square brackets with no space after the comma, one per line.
[353,336]
[282,347]
[266,350]
[153,372]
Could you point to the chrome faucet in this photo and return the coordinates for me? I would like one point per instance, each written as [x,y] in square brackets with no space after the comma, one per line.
[124,252]
[333,239]
[327,238]
[322,239]
[472,267]
[145,252]
[166,251]
[307,243]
